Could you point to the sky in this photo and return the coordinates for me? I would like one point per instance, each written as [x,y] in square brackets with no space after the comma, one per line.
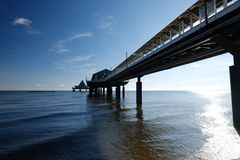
[53,45]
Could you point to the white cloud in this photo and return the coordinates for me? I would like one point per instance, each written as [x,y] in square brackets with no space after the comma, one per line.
[78,59]
[106,22]
[27,24]
[78,35]
[106,25]
[21,22]
[60,46]
[78,62]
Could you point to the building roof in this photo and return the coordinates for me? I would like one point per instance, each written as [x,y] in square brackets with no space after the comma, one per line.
[82,85]
[103,72]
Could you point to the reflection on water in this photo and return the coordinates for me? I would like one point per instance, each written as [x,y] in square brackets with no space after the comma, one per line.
[124,137]
[139,114]
[210,135]
[168,125]
[222,141]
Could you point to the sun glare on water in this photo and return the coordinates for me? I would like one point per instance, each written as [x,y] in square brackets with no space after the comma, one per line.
[223,142]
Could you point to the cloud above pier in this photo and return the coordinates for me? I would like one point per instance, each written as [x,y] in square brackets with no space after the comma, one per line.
[21,22]
[105,21]
[61,45]
[76,62]
[27,25]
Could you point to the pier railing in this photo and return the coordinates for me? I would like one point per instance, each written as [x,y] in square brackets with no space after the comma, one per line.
[194,18]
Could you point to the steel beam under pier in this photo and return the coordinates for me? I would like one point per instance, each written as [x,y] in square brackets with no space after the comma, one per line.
[235,91]
[139,90]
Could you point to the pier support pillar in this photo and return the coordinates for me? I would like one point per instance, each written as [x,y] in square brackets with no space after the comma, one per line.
[139,91]
[118,92]
[139,114]
[103,91]
[123,91]
[97,91]
[90,92]
[109,91]
[235,91]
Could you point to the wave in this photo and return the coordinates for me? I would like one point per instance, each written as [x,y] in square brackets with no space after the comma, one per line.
[52,115]
[80,141]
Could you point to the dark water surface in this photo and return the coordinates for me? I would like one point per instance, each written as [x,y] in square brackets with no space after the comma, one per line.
[67,125]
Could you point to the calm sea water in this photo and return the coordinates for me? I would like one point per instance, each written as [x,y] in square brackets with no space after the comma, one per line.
[67,125]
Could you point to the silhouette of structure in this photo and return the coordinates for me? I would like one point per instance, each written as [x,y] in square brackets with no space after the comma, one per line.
[98,86]
[207,29]
[81,86]
[99,76]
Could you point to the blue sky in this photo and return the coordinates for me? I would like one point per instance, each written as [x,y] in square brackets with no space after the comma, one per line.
[52,45]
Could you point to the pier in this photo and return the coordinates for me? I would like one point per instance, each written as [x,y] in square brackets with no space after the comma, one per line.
[80,87]
[207,29]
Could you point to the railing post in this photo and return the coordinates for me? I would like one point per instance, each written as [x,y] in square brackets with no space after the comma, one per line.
[215,6]
[191,21]
[182,26]
[180,29]
[162,40]
[224,3]
[170,34]
[205,11]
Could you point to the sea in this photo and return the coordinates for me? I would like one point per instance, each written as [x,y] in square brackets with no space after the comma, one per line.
[73,126]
